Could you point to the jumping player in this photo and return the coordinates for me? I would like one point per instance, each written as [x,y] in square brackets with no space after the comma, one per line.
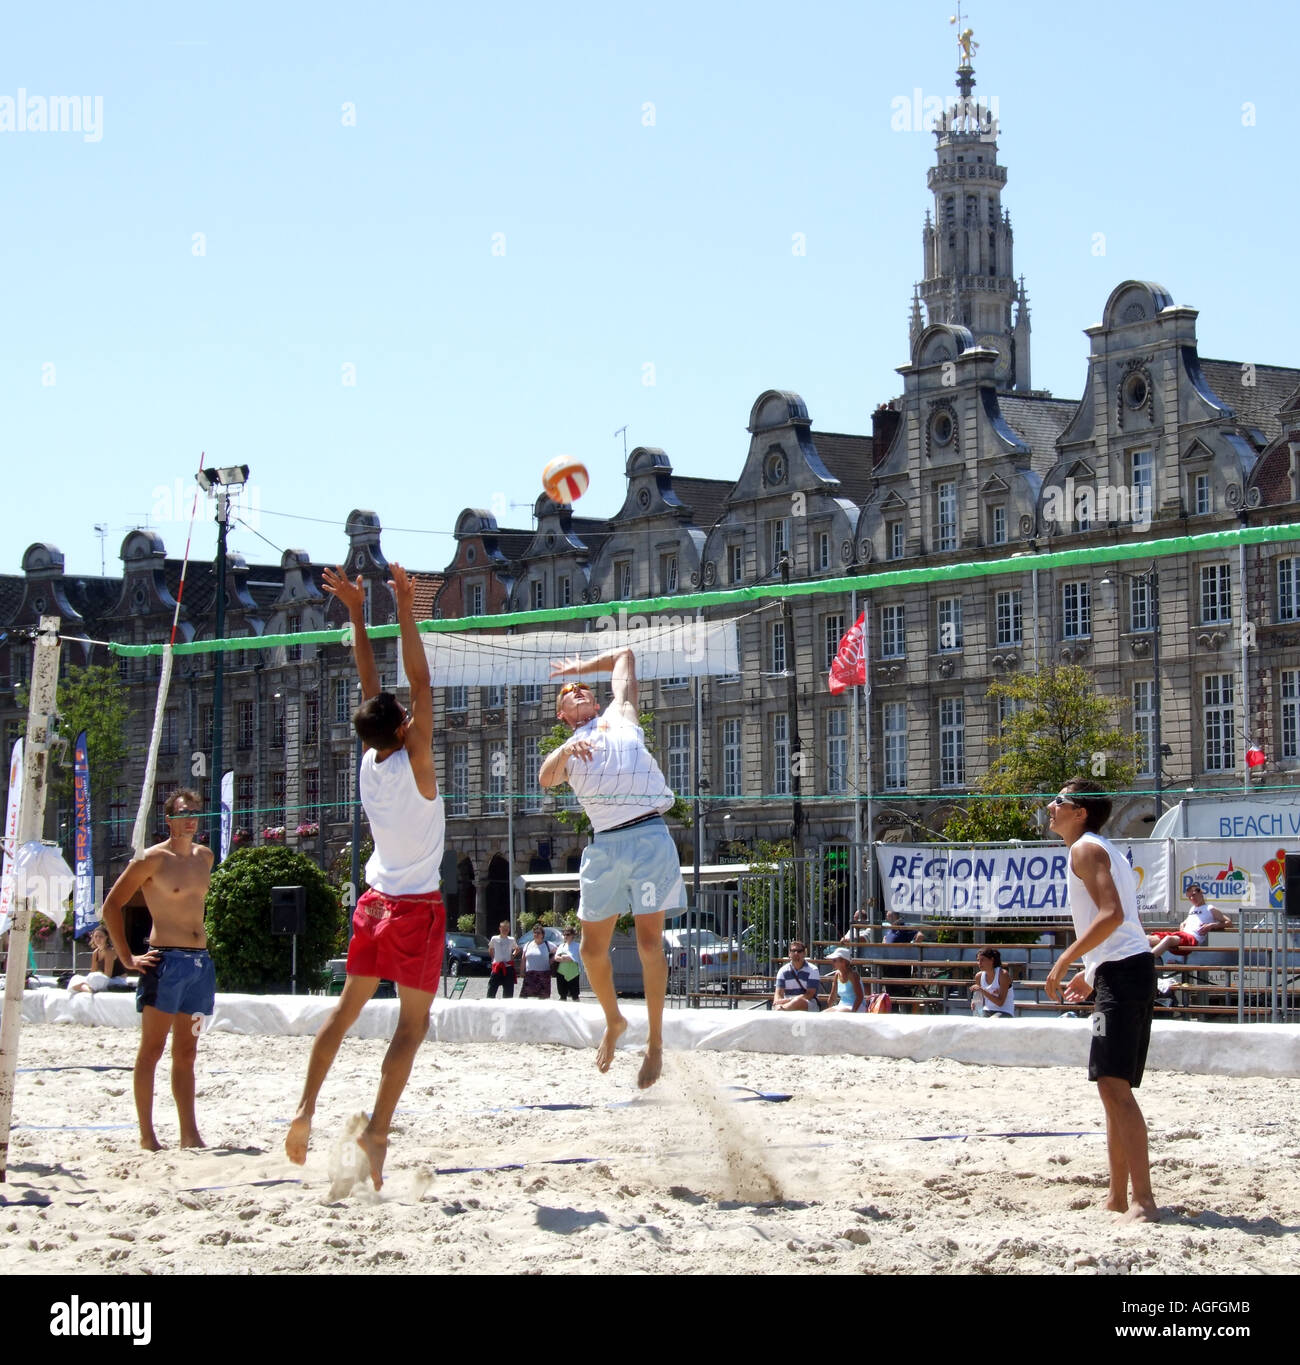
[1119,966]
[631,862]
[177,984]
[398,927]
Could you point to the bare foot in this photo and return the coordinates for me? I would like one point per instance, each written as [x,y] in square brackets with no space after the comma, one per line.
[376,1149]
[605,1052]
[1114,1205]
[651,1065]
[150,1143]
[1142,1213]
[295,1144]
[192,1140]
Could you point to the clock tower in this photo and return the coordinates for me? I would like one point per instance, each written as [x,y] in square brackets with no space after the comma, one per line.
[969,281]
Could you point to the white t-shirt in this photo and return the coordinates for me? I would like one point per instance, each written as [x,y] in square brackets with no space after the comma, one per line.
[408,828]
[537,956]
[1130,938]
[1198,922]
[621,781]
[503,947]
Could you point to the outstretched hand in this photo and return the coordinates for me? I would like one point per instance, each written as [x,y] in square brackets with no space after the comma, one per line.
[559,667]
[402,587]
[338,584]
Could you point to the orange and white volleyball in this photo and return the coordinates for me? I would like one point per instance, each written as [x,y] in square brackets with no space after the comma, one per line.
[565,479]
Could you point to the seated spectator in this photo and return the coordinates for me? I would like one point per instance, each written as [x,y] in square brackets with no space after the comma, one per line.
[797,983]
[104,966]
[847,995]
[993,988]
[1194,931]
[898,932]
[859,930]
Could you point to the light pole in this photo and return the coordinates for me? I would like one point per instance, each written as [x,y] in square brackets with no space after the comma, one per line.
[223,479]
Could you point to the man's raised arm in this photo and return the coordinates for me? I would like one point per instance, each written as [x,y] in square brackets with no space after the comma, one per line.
[414,660]
[353,597]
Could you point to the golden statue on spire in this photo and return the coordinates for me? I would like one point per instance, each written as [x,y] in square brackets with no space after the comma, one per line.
[965,38]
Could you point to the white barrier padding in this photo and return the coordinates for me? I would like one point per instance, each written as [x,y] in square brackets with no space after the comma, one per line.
[1202,1049]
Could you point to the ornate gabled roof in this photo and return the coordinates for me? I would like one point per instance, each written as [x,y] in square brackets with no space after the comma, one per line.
[1254,404]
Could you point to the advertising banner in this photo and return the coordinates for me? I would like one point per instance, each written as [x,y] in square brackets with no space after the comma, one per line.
[85,913]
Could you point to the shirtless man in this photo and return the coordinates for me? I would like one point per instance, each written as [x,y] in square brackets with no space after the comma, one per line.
[1118,965]
[399,925]
[631,864]
[177,983]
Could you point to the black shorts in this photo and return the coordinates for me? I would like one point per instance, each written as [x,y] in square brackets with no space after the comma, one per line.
[1121,1018]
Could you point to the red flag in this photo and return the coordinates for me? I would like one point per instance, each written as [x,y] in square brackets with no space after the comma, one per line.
[849,667]
[1256,757]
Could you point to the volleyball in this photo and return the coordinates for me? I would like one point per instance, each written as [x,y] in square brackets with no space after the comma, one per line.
[565,479]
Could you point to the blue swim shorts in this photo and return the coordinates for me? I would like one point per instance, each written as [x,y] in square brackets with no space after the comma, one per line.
[183,982]
[630,871]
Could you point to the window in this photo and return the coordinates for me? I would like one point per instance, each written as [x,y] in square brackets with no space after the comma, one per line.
[20,664]
[206,728]
[275,816]
[893,642]
[539,594]
[667,573]
[894,540]
[458,779]
[730,756]
[529,694]
[1008,707]
[823,551]
[494,697]
[623,579]
[243,813]
[778,540]
[1290,728]
[1008,626]
[998,525]
[342,700]
[780,754]
[832,634]
[1201,504]
[309,811]
[160,815]
[119,821]
[1076,610]
[1216,594]
[1288,589]
[945,498]
[776,647]
[736,562]
[170,732]
[952,741]
[293,626]
[947,624]
[1141,486]
[532,767]
[277,725]
[474,599]
[310,718]
[1144,726]
[494,802]
[677,736]
[458,698]
[837,750]
[342,793]
[1218,720]
[1139,604]
[244,723]
[894,719]
[564,590]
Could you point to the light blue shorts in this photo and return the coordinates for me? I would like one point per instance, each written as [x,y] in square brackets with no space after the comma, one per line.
[630,871]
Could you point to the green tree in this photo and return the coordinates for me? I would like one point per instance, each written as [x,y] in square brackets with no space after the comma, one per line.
[1061,728]
[248,957]
[991,822]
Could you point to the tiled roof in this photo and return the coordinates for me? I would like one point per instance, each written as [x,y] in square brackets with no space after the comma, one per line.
[1039,422]
[705,498]
[12,587]
[849,459]
[1258,404]
[426,589]
[1272,475]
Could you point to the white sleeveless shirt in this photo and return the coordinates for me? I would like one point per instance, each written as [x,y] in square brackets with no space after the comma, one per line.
[1130,938]
[408,828]
[621,781]
[990,983]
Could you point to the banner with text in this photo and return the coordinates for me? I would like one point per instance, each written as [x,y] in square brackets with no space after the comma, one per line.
[85,914]
[11,836]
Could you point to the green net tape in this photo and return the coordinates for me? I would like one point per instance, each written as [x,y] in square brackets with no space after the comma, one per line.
[1023,561]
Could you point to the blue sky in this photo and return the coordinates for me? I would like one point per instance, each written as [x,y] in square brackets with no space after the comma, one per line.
[632,238]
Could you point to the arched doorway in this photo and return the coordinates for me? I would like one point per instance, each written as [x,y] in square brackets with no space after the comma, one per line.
[497,898]
[466,891]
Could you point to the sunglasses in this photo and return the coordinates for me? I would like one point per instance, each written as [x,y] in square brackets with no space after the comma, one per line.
[186,815]
[1064,801]
[572,687]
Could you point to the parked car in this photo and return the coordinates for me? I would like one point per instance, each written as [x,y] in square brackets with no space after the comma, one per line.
[702,950]
[467,955]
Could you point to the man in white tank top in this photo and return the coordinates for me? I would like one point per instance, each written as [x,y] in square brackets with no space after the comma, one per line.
[399,925]
[1119,967]
[631,863]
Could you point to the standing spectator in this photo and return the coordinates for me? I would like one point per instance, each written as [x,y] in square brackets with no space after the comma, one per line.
[847,995]
[797,983]
[538,956]
[504,951]
[993,989]
[568,966]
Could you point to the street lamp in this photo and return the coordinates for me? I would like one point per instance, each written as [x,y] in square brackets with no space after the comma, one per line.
[222,479]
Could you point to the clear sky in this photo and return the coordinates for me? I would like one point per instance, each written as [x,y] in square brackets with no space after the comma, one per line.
[647,168]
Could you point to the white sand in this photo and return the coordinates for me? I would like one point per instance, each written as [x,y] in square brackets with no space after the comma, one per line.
[685,1178]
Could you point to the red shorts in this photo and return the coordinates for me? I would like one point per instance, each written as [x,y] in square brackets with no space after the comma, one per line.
[399,938]
[1186,940]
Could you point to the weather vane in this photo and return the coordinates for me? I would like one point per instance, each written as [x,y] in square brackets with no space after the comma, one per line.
[965,37]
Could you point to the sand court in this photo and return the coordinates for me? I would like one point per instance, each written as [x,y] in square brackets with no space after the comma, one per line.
[513,1154]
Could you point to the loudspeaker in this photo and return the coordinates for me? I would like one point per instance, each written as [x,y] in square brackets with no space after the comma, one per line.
[1291,890]
[288,909]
